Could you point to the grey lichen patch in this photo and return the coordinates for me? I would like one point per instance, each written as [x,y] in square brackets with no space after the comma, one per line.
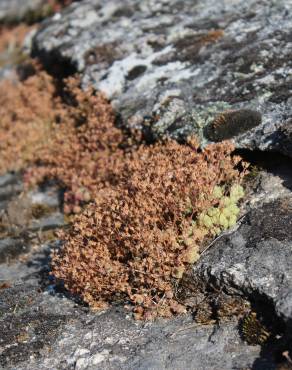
[11,248]
[173,117]
[169,117]
[210,52]
[232,123]
[189,46]
[274,220]
[27,325]
[105,54]
[26,335]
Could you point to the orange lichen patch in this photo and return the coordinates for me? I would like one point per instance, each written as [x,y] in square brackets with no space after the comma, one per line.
[134,242]
[212,36]
[57,5]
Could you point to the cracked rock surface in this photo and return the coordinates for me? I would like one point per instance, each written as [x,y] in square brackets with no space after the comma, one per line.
[255,260]
[171,67]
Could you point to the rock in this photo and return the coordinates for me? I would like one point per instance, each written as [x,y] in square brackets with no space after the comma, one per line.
[14,11]
[27,326]
[217,69]
[10,185]
[255,260]
[8,179]
[11,248]
[171,68]
[50,332]
[286,138]
[26,219]
[52,221]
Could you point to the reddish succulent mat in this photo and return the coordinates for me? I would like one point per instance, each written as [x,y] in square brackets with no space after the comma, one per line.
[27,112]
[142,232]
[151,206]
[11,38]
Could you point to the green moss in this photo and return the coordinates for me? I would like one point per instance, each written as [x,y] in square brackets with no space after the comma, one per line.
[224,215]
[253,173]
[15,57]
[217,192]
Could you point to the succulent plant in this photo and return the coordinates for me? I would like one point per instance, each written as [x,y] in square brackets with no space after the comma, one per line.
[223,215]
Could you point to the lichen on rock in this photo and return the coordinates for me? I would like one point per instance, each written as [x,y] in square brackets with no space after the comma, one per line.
[160,63]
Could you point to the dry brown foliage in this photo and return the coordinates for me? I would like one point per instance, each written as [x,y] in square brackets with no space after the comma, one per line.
[84,148]
[140,235]
[27,112]
[12,38]
[74,142]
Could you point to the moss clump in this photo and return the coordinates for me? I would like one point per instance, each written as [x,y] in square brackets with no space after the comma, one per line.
[224,214]
[27,112]
[254,332]
[232,123]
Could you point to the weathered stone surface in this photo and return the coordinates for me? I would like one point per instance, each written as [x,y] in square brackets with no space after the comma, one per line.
[286,140]
[11,247]
[17,10]
[170,67]
[255,260]
[51,332]
[10,186]
[28,323]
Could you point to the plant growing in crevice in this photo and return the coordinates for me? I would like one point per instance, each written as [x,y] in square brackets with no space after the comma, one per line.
[84,147]
[151,206]
[143,232]
[27,112]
